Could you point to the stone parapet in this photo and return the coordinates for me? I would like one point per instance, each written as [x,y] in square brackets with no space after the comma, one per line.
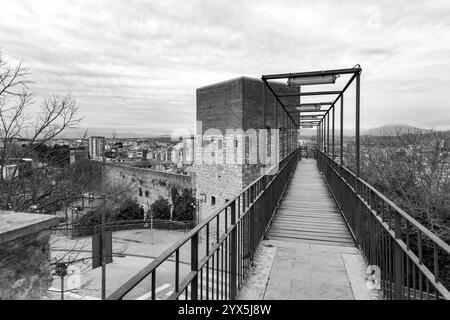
[25,271]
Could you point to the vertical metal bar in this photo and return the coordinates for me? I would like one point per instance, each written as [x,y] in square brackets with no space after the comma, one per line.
[154,284]
[398,281]
[358,106]
[217,272]
[233,257]
[436,263]
[317,136]
[419,247]
[212,275]
[62,287]
[328,133]
[177,270]
[332,135]
[194,266]
[275,114]
[201,284]
[207,261]
[264,104]
[221,269]
[226,267]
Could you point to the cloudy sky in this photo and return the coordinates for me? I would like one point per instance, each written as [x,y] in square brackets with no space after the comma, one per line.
[133,66]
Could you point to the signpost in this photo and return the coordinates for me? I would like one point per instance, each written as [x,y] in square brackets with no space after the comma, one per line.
[61,270]
[101,250]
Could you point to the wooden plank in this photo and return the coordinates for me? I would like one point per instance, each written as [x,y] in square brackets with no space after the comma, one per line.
[307,212]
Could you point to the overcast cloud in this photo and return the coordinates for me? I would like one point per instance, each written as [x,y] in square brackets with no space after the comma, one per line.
[134,65]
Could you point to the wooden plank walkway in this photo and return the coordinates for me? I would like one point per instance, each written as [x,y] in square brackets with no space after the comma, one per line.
[307,212]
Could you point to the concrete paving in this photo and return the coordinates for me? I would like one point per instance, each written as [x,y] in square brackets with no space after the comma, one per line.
[313,256]
[308,271]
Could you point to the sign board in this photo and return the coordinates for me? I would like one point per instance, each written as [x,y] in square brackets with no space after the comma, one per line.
[61,269]
[97,249]
[73,279]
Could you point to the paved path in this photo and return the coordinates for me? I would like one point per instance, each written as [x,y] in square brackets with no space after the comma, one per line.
[315,256]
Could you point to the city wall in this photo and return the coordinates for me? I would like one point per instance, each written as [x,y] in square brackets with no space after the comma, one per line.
[147,185]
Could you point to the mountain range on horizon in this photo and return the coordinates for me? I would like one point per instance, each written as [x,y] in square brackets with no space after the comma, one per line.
[386,130]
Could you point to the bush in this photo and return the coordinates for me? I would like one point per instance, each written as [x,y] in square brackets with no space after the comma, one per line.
[85,226]
[160,209]
[130,210]
[183,207]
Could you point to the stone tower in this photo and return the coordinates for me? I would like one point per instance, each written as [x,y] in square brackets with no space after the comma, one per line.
[235,140]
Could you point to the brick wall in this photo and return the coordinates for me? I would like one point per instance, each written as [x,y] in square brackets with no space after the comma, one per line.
[234,104]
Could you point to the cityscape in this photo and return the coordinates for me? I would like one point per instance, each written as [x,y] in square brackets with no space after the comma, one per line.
[264,181]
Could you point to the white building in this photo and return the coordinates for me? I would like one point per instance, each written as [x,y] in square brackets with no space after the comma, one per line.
[96,147]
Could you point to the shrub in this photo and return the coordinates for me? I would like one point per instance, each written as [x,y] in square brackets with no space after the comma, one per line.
[160,209]
[130,210]
[87,222]
[183,207]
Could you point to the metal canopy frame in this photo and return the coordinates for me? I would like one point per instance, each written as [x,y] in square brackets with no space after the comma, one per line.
[323,121]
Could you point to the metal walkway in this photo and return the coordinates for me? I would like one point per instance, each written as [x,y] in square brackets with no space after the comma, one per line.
[307,212]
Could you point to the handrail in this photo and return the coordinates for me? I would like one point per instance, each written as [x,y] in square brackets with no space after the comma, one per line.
[244,204]
[384,232]
[444,246]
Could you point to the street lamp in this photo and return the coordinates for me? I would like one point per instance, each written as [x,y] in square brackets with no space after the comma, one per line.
[311,80]
[313,117]
[309,107]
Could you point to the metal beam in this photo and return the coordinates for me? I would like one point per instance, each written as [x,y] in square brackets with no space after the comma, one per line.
[311,73]
[314,93]
[309,104]
[345,88]
[309,111]
[278,99]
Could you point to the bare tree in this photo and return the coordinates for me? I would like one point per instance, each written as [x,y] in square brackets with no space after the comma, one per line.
[23,133]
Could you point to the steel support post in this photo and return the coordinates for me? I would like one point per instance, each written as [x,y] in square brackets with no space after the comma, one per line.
[332,134]
[328,133]
[358,106]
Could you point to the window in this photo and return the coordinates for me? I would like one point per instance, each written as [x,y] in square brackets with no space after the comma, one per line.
[140,192]
[213,200]
[147,193]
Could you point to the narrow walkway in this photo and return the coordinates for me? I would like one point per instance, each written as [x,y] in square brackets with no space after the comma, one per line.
[314,256]
[308,211]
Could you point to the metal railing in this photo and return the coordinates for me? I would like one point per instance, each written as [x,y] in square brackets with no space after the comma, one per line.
[219,252]
[413,261]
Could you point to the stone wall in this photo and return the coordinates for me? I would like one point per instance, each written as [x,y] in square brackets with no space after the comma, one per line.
[147,185]
[25,271]
[238,104]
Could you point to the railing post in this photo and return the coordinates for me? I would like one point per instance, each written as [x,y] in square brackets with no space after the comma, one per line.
[194,266]
[398,279]
[328,133]
[332,135]
[233,253]
[358,107]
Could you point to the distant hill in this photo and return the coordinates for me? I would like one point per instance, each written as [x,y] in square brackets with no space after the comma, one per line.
[393,129]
